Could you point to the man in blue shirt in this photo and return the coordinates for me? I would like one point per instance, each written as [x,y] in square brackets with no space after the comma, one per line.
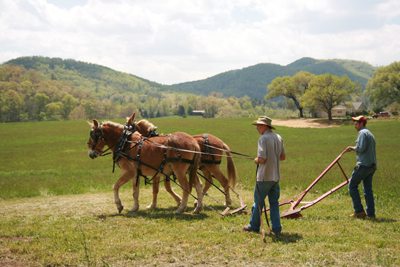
[364,169]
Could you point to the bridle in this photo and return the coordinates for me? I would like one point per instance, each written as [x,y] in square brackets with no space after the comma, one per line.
[96,135]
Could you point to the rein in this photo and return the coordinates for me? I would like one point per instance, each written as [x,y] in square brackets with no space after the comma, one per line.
[202,153]
[230,151]
[102,154]
[133,127]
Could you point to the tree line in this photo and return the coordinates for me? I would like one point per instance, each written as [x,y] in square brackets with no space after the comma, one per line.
[30,95]
[325,91]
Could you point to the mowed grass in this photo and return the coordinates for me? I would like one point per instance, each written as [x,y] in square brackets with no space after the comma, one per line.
[57,208]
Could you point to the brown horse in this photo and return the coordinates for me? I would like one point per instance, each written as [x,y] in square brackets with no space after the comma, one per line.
[212,148]
[172,154]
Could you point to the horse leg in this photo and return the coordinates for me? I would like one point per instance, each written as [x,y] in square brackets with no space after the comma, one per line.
[135,194]
[216,171]
[184,183]
[199,205]
[208,180]
[167,185]
[207,183]
[125,177]
[156,185]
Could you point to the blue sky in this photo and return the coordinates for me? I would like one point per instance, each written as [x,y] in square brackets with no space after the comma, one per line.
[171,41]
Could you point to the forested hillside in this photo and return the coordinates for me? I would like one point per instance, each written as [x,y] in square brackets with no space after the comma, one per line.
[87,77]
[252,80]
[40,88]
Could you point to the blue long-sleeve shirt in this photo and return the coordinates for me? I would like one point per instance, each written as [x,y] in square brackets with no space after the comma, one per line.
[365,148]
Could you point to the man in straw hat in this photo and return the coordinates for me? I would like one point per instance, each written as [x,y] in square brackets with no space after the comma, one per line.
[270,151]
[364,169]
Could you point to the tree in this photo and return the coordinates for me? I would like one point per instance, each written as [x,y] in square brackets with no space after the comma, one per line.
[211,106]
[384,86]
[245,103]
[54,110]
[10,73]
[181,111]
[90,107]
[78,113]
[292,87]
[11,105]
[40,101]
[327,91]
[69,103]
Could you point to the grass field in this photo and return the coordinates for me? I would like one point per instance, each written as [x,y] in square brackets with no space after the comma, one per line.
[56,204]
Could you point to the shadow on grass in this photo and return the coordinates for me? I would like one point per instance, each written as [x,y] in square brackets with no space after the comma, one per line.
[164,213]
[286,238]
[383,220]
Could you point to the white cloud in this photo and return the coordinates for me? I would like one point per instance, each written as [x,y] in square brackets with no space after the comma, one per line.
[176,40]
[388,9]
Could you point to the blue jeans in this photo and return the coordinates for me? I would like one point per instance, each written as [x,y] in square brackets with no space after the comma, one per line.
[261,191]
[364,174]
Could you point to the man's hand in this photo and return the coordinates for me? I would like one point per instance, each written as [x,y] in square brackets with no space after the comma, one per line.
[350,148]
[259,160]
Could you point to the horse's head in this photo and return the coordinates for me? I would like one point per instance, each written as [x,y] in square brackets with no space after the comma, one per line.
[130,123]
[144,127]
[96,141]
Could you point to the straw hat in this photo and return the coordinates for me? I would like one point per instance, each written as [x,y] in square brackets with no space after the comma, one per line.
[359,118]
[264,120]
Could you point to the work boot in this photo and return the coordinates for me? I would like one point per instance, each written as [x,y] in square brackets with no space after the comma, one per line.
[248,228]
[359,215]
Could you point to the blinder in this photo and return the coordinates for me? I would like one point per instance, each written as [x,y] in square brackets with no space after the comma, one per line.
[95,135]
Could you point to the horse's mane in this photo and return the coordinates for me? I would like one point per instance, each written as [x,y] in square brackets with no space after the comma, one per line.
[148,126]
[114,124]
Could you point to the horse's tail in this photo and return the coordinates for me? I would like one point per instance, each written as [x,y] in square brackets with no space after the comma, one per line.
[230,167]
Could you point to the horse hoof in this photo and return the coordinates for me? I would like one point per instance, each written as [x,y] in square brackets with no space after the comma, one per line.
[120,208]
[227,204]
[195,204]
[151,207]
[135,209]
[197,210]
[180,210]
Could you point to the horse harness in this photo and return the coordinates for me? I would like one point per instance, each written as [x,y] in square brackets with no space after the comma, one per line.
[207,150]
[122,151]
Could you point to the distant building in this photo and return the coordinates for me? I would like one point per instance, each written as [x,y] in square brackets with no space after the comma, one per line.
[353,108]
[357,108]
[337,111]
[198,112]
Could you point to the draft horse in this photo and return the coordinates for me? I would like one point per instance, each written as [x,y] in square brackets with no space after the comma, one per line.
[212,149]
[176,154]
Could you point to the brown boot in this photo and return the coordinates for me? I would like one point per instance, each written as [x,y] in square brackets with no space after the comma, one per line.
[359,215]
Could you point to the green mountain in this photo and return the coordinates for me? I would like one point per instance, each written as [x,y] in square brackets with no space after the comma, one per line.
[253,80]
[103,82]
[42,88]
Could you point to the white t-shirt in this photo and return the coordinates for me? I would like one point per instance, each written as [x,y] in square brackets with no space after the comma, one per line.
[270,147]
